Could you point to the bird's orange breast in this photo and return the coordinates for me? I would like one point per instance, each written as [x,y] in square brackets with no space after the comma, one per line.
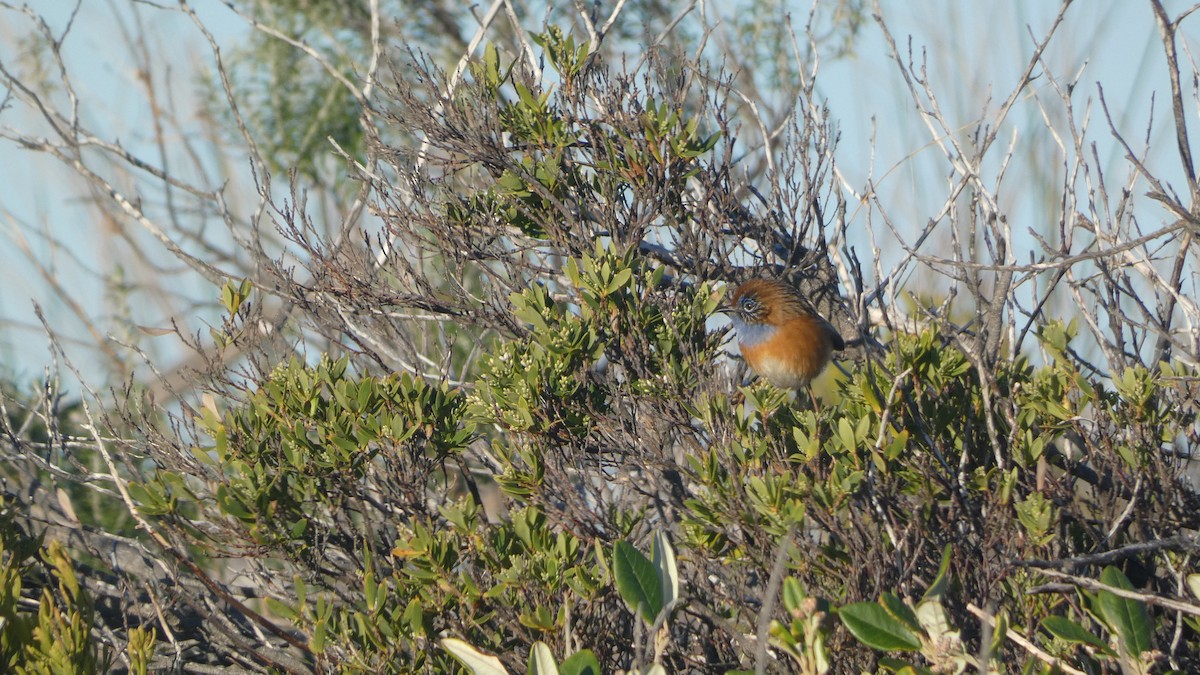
[797,351]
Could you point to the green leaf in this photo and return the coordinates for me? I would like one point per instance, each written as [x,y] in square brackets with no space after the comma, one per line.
[582,662]
[1128,617]
[637,581]
[999,632]
[668,571]
[1065,629]
[903,667]
[901,611]
[619,280]
[149,497]
[793,594]
[1193,584]
[281,609]
[475,661]
[1037,515]
[525,96]
[935,623]
[491,62]
[298,528]
[366,389]
[874,627]
[938,588]
[233,296]
[320,628]
[541,660]
[414,617]
[845,434]
[539,619]
[231,505]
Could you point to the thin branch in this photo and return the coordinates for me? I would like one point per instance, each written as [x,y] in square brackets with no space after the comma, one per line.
[1024,643]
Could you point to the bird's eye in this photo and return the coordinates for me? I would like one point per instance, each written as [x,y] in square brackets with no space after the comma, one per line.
[750,305]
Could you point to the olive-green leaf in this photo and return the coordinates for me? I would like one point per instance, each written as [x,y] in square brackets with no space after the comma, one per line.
[1128,617]
[619,280]
[583,662]
[793,594]
[900,611]
[876,628]
[938,588]
[637,581]
[902,667]
[282,609]
[1065,629]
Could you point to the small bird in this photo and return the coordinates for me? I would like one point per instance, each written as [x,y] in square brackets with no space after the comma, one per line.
[782,338]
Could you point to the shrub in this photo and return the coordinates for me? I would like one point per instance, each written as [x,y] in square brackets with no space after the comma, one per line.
[504,430]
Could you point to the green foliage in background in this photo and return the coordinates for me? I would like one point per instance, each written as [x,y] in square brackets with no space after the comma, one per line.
[911,460]
[55,636]
[291,106]
[913,479]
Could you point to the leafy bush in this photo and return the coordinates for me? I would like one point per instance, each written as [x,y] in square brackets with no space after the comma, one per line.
[56,637]
[504,430]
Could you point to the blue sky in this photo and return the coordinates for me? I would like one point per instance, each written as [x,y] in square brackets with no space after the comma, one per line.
[972,48]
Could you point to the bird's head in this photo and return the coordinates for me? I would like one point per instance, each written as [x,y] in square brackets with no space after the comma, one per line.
[761,301]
